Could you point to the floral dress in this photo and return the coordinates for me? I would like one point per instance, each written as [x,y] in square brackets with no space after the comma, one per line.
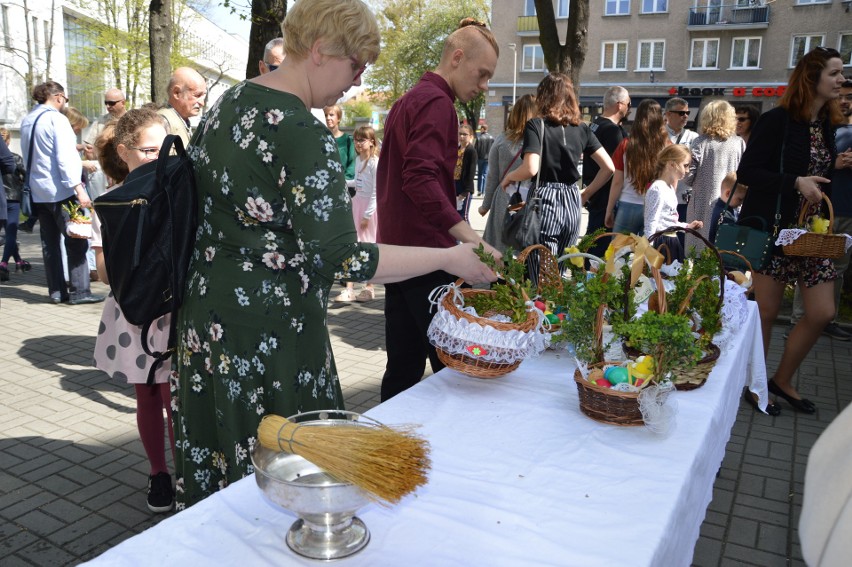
[811,271]
[275,231]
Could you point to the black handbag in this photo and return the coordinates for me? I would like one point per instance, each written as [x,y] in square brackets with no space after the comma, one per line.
[522,223]
[747,236]
[26,194]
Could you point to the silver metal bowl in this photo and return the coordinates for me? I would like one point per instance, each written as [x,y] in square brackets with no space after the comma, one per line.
[327,527]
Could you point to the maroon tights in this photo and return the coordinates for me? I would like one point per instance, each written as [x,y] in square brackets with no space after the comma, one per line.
[150,401]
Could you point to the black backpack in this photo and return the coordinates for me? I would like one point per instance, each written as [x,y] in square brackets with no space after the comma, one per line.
[148,227]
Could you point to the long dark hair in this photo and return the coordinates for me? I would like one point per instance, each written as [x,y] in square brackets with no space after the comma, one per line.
[648,137]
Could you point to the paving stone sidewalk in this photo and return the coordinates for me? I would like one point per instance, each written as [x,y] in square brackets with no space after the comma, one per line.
[73,471]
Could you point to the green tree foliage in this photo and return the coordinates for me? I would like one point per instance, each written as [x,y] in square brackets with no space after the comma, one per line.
[413,33]
[353,109]
[117,42]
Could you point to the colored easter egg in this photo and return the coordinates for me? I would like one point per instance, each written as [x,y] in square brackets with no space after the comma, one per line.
[551,318]
[540,306]
[603,382]
[616,375]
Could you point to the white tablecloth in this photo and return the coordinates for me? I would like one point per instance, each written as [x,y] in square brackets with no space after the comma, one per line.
[520,477]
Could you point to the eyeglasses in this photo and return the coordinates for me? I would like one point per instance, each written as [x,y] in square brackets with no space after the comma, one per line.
[111,103]
[680,112]
[63,96]
[360,140]
[827,50]
[270,66]
[743,119]
[149,152]
[358,68]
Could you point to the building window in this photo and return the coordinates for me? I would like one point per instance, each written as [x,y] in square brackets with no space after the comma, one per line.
[36,46]
[617,8]
[562,8]
[745,53]
[802,44]
[655,6]
[846,48]
[7,38]
[705,54]
[533,58]
[529,8]
[800,2]
[651,55]
[614,56]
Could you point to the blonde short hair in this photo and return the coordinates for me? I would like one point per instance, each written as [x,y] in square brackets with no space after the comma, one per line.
[730,180]
[718,120]
[348,28]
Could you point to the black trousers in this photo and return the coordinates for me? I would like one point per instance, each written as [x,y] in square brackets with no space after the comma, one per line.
[407,318]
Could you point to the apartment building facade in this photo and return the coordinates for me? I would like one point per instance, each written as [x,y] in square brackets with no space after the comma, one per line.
[738,50]
[55,40]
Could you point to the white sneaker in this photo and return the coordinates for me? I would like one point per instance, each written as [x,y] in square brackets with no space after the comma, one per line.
[345,296]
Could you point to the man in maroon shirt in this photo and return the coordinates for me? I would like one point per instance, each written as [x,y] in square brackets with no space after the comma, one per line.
[416,196]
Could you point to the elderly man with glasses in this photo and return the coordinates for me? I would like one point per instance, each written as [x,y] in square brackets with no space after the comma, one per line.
[677,115]
[96,181]
[273,55]
[609,132]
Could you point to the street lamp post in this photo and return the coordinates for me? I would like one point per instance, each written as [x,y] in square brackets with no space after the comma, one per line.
[514,49]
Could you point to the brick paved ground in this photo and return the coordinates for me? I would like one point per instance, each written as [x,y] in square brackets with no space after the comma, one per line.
[73,472]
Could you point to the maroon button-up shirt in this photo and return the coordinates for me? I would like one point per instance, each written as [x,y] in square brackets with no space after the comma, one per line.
[415,191]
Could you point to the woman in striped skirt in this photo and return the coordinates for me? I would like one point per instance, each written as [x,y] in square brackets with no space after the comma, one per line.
[553,146]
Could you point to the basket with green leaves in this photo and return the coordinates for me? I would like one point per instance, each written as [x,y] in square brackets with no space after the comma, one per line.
[696,291]
[487,333]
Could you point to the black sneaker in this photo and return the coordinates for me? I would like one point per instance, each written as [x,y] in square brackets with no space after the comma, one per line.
[161,496]
[834,331]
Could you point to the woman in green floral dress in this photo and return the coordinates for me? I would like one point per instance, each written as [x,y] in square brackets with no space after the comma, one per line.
[275,231]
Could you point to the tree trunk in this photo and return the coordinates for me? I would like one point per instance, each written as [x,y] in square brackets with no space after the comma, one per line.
[266,18]
[568,57]
[160,43]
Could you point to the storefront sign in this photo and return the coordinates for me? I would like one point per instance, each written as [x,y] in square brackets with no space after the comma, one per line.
[736,91]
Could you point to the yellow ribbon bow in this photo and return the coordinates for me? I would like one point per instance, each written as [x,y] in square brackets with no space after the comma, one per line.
[642,252]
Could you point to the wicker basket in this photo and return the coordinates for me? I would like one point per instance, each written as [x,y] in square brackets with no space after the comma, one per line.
[479,368]
[817,245]
[607,405]
[548,268]
[745,263]
[686,378]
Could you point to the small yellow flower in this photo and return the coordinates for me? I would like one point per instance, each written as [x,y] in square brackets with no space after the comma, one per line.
[578,261]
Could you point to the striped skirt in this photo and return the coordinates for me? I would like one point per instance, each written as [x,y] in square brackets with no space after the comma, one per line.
[560,222]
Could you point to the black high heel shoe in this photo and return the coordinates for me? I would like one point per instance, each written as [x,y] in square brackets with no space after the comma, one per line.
[802,405]
[771,409]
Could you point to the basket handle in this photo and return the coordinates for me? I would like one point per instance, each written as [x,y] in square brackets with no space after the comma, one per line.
[708,244]
[804,211]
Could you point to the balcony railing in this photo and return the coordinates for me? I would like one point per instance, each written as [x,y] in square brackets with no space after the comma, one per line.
[729,15]
[528,25]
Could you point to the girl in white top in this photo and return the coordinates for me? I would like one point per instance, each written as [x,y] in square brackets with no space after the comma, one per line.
[661,199]
[364,202]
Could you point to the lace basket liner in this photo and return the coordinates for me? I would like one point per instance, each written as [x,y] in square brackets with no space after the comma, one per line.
[481,339]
